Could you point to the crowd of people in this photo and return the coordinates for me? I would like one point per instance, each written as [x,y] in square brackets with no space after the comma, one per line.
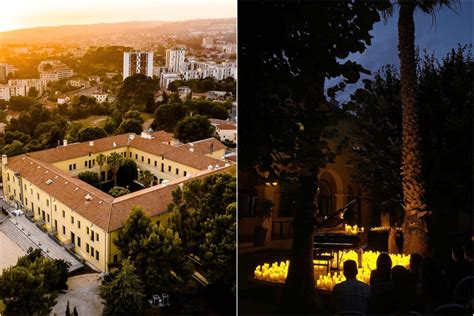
[424,288]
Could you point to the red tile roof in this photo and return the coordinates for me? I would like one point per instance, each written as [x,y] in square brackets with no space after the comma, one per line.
[102,209]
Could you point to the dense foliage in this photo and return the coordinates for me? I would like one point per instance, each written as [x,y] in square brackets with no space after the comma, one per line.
[30,287]
[90,177]
[203,213]
[204,85]
[124,294]
[445,112]
[193,128]
[156,252]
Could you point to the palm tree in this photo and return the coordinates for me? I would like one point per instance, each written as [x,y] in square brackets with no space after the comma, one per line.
[146,177]
[115,160]
[414,227]
[101,160]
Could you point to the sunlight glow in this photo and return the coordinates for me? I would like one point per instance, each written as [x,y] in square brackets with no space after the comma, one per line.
[17,14]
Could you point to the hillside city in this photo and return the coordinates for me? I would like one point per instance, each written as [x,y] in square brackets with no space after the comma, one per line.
[118,169]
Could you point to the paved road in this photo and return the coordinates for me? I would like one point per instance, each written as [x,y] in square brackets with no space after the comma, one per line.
[26,234]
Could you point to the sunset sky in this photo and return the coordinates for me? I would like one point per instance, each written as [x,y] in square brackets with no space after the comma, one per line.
[18,14]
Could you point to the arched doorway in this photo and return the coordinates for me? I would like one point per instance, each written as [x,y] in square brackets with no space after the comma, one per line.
[325,198]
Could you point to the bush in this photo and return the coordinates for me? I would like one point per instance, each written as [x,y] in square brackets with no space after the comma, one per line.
[118,191]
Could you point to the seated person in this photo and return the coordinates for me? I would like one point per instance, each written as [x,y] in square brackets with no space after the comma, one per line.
[382,273]
[416,261]
[458,268]
[352,294]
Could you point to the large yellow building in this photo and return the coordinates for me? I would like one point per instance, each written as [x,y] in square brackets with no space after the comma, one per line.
[82,217]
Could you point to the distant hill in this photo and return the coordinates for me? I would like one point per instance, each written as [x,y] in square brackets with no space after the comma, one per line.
[108,30]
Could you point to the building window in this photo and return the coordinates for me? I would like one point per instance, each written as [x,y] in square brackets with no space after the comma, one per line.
[130,154]
[87,248]
[31,191]
[39,211]
[185,173]
[78,241]
[156,163]
[78,224]
[92,251]
[38,196]
[162,167]
[47,216]
[47,202]
[26,201]
[64,230]
[55,208]
[325,198]
[143,158]
[72,219]
[97,255]
[136,156]
[87,230]
[92,235]
[70,167]
[64,214]
[74,166]
[97,236]
[169,168]
[149,160]
[177,171]
[85,163]
[25,187]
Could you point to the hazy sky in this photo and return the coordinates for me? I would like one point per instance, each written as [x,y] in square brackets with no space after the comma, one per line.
[17,14]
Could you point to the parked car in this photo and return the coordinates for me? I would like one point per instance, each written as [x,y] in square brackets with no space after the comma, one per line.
[17,212]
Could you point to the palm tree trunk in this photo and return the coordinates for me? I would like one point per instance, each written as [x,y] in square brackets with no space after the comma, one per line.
[414,226]
[298,292]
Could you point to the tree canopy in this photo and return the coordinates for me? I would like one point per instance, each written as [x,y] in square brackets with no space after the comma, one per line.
[193,128]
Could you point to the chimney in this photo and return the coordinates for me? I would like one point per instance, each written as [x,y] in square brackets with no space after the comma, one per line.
[4,159]
[191,149]
[64,142]
[91,143]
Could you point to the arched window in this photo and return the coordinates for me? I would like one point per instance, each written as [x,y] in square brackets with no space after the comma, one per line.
[325,198]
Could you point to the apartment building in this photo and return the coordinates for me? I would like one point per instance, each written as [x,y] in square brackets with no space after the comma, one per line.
[175,59]
[137,63]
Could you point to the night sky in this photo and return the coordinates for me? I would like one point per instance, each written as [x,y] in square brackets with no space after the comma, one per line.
[450,28]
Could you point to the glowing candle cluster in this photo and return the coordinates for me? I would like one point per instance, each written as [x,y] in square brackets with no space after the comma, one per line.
[277,272]
[353,229]
[383,229]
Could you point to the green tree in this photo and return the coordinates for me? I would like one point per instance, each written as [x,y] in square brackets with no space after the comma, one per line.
[90,177]
[127,173]
[33,92]
[30,287]
[130,126]
[90,133]
[22,103]
[146,178]
[203,213]
[133,115]
[101,160]
[193,128]
[155,251]
[72,130]
[115,160]
[118,191]
[135,92]
[124,294]
[217,250]
[14,149]
[135,228]
[167,116]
